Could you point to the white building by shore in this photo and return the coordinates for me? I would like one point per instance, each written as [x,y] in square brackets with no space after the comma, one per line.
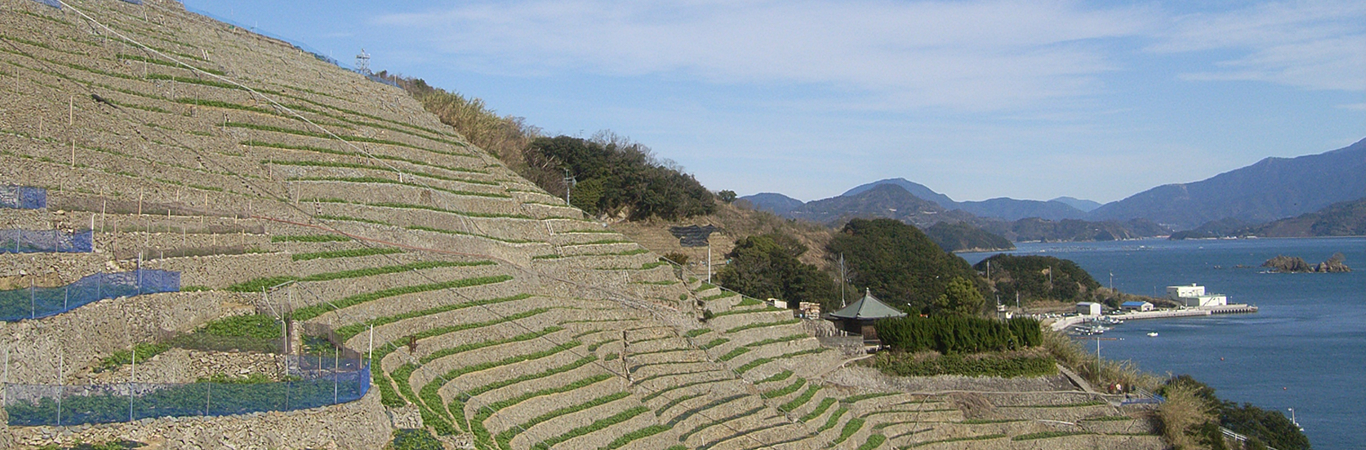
[1194,296]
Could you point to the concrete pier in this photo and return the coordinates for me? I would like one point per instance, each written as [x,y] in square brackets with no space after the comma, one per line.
[1063,323]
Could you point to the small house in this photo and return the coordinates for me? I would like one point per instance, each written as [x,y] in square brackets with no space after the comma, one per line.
[857,318]
[1088,309]
[1136,306]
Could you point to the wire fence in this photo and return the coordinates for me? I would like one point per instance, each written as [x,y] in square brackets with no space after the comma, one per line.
[24,197]
[309,384]
[34,302]
[46,241]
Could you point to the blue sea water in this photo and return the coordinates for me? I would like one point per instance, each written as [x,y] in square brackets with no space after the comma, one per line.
[1305,349]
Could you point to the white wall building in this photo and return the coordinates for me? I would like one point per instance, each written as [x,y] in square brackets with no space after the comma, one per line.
[1195,296]
[1088,309]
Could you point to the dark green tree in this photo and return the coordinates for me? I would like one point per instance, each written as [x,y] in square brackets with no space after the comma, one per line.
[615,176]
[961,297]
[899,263]
[767,266]
[726,196]
[1038,278]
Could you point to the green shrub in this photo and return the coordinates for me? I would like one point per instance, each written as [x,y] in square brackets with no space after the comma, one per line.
[124,357]
[258,326]
[414,439]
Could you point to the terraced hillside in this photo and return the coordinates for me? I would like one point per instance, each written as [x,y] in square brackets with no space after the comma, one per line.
[492,315]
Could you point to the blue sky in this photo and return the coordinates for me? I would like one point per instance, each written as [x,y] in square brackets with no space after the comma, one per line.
[975,99]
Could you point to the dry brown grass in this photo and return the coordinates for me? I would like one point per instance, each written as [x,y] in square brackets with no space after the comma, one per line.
[1071,354]
[1180,414]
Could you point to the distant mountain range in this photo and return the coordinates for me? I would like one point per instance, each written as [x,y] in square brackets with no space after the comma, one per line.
[1241,199]
[1271,189]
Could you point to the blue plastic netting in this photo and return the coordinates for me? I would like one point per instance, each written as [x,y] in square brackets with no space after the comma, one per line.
[23,197]
[35,302]
[32,405]
[46,241]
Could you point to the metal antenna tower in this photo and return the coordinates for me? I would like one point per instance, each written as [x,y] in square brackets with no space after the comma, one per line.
[363,62]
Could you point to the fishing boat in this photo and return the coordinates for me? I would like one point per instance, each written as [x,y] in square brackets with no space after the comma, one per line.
[1152,334]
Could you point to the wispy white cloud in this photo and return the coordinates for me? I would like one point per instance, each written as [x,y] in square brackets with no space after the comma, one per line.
[1312,45]
[986,55]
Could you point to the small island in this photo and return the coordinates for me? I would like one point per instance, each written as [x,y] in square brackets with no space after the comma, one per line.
[1294,264]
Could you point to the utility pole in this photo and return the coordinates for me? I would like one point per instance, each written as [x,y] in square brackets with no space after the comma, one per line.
[844,276]
[569,182]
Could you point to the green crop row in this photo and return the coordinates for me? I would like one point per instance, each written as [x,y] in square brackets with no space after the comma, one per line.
[345,165]
[833,420]
[379,180]
[733,353]
[469,346]
[960,439]
[780,376]
[788,390]
[850,427]
[718,296]
[697,332]
[714,343]
[635,435]
[764,324]
[158,62]
[462,233]
[481,434]
[504,439]
[433,387]
[820,409]
[699,428]
[674,402]
[310,238]
[595,426]
[795,337]
[801,399]
[691,412]
[310,312]
[761,361]
[1047,434]
[351,219]
[352,253]
[187,80]
[660,392]
[861,397]
[874,441]
[449,211]
[257,284]
[347,331]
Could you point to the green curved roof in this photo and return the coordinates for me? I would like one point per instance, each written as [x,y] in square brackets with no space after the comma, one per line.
[867,308]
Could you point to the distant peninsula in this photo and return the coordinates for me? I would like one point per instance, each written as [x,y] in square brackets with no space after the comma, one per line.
[1295,264]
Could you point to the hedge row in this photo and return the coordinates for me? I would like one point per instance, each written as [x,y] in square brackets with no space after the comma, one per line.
[958,334]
